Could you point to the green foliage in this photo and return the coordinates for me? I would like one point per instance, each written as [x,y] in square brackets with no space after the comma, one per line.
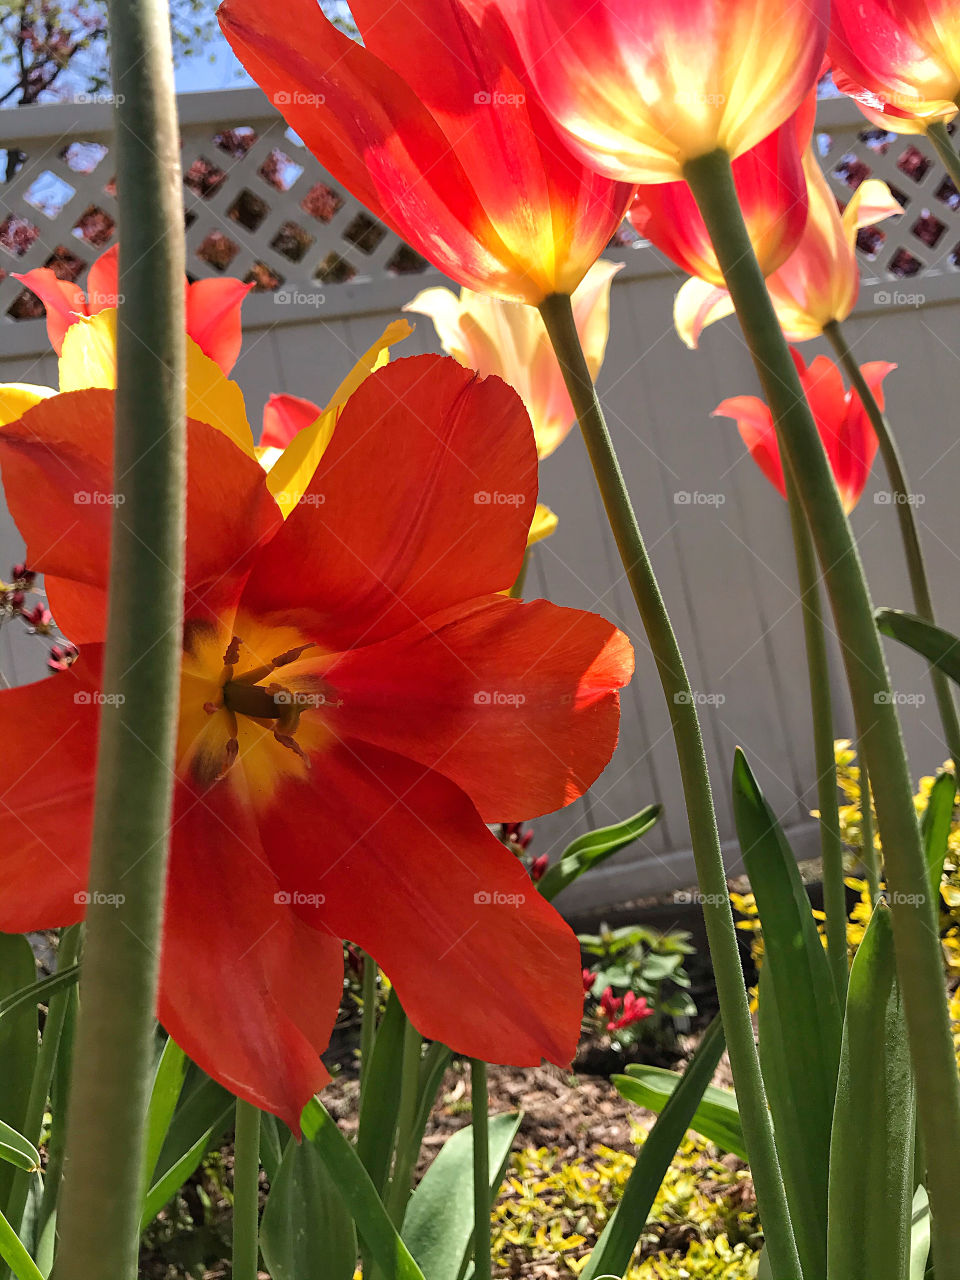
[648,963]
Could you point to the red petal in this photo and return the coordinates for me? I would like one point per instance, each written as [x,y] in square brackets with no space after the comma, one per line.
[48,755]
[57,463]
[408,871]
[102,282]
[283,417]
[422,500]
[247,988]
[759,435]
[515,703]
[61,298]
[213,318]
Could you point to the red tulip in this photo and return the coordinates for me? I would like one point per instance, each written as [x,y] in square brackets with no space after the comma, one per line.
[773,195]
[213,306]
[640,87]
[357,702]
[430,125]
[848,438]
[283,417]
[900,59]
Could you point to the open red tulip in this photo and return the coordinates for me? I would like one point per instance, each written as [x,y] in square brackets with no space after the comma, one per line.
[772,187]
[357,702]
[430,124]
[640,87]
[848,438]
[900,59]
[213,306]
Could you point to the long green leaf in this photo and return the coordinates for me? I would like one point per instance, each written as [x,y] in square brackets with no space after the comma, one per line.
[271,1147]
[307,1232]
[15,1255]
[19,1041]
[614,1249]
[380,1107]
[930,641]
[800,1024]
[432,1070]
[438,1226]
[937,821]
[16,1150]
[717,1117]
[204,1113]
[595,847]
[919,1235]
[41,991]
[167,1085]
[871,1157]
[380,1239]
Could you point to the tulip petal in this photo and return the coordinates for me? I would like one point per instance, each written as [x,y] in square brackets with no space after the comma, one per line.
[755,423]
[283,417]
[247,988]
[870,203]
[406,869]
[17,397]
[543,525]
[213,318]
[48,755]
[63,301]
[57,464]
[103,285]
[427,461]
[697,304]
[516,702]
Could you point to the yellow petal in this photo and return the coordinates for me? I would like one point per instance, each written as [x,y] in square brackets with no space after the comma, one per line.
[870,203]
[17,397]
[697,304]
[375,357]
[89,354]
[544,523]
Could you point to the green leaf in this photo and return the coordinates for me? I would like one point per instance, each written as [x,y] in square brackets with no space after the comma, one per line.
[380,1105]
[16,1150]
[204,1113]
[40,992]
[937,821]
[919,1235]
[19,1040]
[306,1232]
[438,1226]
[380,1239]
[799,1021]
[618,1239]
[930,641]
[871,1157]
[594,848]
[271,1147]
[717,1117]
[167,1085]
[15,1255]
[432,1070]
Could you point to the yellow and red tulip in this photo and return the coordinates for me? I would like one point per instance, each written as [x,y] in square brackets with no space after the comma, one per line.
[819,282]
[430,125]
[848,438]
[640,87]
[357,703]
[900,59]
[510,341]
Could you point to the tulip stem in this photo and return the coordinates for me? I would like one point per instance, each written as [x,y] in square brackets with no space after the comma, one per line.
[825,761]
[99,1222]
[368,1017]
[939,135]
[909,533]
[481,1170]
[557,313]
[246,1192]
[868,850]
[919,961]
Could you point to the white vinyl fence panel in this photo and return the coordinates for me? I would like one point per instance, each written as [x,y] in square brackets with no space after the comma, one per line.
[261,207]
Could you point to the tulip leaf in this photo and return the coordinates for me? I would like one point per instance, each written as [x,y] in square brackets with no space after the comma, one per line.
[919,1235]
[381,1242]
[15,1255]
[271,1147]
[717,1116]
[935,828]
[930,641]
[432,1070]
[380,1104]
[167,1085]
[41,991]
[438,1225]
[201,1118]
[595,847]
[306,1232]
[871,1155]
[16,1150]
[799,1019]
[614,1249]
[19,1035]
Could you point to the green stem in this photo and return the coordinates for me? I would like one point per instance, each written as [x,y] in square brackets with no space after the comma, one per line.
[868,851]
[481,1170]
[919,962]
[406,1157]
[113,1062]
[818,667]
[943,144]
[42,1076]
[557,315]
[909,533]
[246,1192]
[368,1023]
